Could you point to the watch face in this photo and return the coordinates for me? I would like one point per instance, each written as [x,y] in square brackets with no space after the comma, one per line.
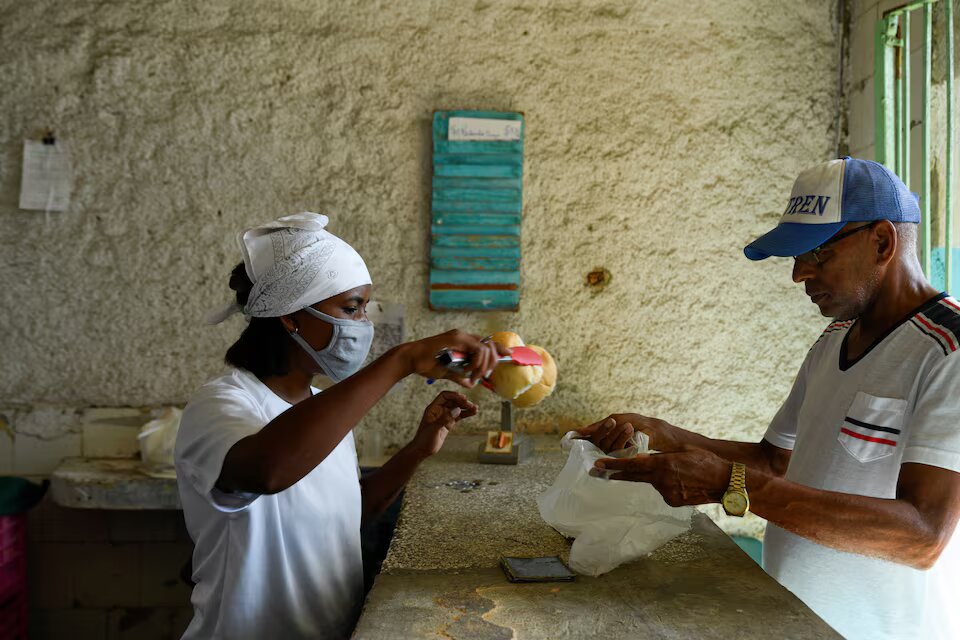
[735,502]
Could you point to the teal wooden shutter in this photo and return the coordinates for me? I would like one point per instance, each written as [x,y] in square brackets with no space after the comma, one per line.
[476,209]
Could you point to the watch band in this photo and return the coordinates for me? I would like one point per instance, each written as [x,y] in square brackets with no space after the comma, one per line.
[738,477]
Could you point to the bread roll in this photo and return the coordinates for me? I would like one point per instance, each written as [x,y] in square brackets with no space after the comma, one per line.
[510,380]
[507,339]
[542,388]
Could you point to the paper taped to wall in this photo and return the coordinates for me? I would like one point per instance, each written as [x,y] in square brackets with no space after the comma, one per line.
[45,185]
[484,129]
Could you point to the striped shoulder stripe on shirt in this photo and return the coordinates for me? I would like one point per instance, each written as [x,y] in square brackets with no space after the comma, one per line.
[940,322]
[833,327]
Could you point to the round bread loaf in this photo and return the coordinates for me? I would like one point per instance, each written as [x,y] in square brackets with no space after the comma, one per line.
[507,339]
[544,387]
[510,380]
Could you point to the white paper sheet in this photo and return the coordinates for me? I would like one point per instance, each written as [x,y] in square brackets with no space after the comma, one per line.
[483,129]
[45,185]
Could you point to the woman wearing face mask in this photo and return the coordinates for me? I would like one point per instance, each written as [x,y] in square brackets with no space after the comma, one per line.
[266,465]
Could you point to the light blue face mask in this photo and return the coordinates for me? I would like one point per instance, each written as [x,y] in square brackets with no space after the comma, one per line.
[348,348]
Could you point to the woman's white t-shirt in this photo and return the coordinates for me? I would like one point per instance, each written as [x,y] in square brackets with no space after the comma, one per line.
[286,565]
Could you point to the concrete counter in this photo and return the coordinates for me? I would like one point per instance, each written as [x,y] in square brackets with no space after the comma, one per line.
[118,483]
[441,577]
[111,483]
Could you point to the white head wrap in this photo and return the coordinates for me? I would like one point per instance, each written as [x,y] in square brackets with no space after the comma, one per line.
[294,263]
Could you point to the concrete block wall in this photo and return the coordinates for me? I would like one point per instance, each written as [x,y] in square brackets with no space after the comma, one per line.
[107,574]
[95,574]
[33,440]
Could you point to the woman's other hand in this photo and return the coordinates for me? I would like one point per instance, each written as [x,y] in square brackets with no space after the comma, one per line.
[483,356]
[446,410]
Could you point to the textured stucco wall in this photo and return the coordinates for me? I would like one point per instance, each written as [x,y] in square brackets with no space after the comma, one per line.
[661,136]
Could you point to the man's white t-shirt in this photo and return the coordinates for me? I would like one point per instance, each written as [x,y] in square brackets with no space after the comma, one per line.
[286,565]
[851,424]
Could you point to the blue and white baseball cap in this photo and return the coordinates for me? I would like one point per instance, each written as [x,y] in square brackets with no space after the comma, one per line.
[830,195]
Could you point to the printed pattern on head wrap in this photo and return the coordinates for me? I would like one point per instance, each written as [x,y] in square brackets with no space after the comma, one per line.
[283,285]
[294,262]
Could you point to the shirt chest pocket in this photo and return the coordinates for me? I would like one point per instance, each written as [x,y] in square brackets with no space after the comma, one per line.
[872,427]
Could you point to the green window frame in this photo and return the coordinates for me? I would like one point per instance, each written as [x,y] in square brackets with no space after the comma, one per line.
[892,83]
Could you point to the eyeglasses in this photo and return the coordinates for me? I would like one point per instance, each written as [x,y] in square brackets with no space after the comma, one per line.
[814,255]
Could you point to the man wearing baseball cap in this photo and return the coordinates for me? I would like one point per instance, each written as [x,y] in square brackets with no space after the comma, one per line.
[858,474]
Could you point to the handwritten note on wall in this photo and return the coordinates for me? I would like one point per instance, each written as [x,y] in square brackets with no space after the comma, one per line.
[484,129]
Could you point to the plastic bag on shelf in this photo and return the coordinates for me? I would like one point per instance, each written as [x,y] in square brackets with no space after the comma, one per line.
[157,439]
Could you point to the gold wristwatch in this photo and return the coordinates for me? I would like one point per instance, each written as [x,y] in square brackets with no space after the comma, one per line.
[735,501]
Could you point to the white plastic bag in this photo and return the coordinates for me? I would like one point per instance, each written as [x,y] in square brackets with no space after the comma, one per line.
[613,521]
[157,439]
